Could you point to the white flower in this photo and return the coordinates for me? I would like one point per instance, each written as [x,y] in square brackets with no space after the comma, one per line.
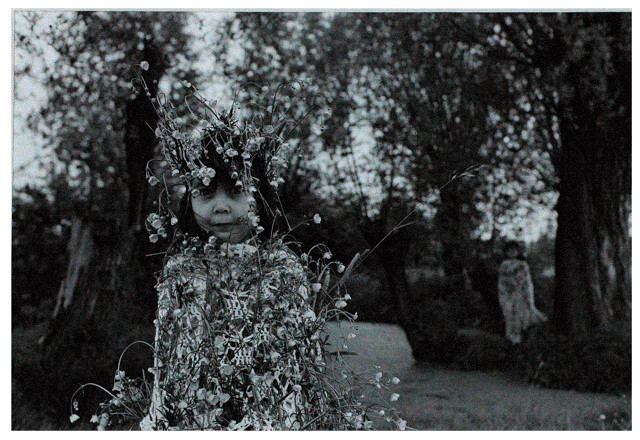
[317,219]
[341,268]
[316,287]
[174,220]
[378,376]
[341,304]
[153,238]
[347,297]
[73,418]
[394,397]
[144,65]
[153,180]
[326,255]
[395,380]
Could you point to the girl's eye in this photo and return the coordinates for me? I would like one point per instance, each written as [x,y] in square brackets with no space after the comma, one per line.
[205,192]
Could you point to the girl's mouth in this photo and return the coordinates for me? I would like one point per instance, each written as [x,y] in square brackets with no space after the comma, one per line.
[222,226]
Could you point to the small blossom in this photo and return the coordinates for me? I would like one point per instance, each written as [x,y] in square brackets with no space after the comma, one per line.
[378,376]
[144,65]
[317,219]
[395,380]
[341,304]
[316,287]
[154,238]
[73,418]
[327,255]
[394,397]
[153,180]
[174,220]
[341,268]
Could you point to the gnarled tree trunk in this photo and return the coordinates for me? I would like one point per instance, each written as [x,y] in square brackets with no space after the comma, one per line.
[593,245]
[106,299]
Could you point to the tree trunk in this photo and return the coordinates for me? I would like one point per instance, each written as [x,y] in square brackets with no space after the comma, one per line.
[106,299]
[391,254]
[593,258]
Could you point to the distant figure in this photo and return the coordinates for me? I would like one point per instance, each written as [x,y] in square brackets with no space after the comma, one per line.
[515,293]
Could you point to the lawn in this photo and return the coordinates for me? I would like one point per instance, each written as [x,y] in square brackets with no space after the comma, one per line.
[438,398]
[431,397]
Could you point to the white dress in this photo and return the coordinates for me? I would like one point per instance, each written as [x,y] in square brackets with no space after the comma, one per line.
[515,294]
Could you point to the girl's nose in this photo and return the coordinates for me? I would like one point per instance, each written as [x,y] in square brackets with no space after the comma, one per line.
[220,202]
[221,208]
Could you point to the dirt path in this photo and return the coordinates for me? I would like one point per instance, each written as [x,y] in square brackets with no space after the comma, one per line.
[432,397]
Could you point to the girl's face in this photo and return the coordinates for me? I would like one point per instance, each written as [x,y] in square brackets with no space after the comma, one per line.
[223,212]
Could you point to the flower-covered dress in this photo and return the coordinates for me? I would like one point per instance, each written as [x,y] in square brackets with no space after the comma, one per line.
[238,344]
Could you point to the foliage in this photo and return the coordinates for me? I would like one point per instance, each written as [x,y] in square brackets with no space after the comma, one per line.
[88,60]
[433,331]
[370,300]
[482,351]
[598,362]
[38,254]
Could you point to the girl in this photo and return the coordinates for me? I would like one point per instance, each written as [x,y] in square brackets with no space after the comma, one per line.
[239,343]
[240,337]
[515,294]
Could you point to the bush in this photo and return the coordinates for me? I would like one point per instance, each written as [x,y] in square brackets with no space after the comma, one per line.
[38,257]
[598,362]
[433,332]
[369,299]
[483,351]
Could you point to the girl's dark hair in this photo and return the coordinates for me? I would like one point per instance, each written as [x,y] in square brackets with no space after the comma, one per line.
[267,201]
[514,245]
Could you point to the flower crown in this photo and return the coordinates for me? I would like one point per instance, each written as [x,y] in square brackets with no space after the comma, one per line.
[253,153]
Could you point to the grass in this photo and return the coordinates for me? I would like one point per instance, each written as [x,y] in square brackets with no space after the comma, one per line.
[431,397]
[437,398]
